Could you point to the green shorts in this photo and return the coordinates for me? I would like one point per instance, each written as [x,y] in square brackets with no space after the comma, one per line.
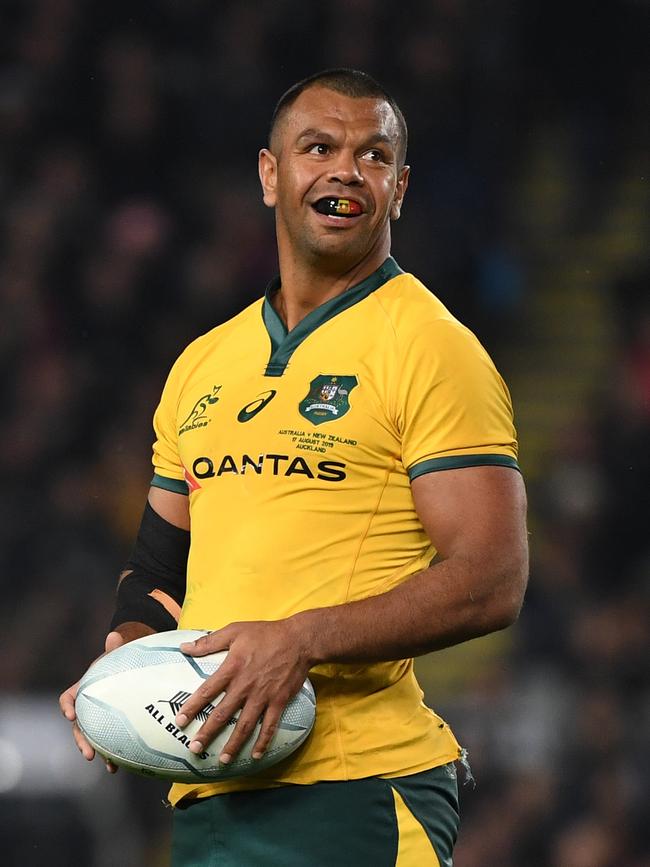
[409,821]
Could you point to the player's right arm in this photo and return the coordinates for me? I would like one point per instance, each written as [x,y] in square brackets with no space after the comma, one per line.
[150,589]
[173,508]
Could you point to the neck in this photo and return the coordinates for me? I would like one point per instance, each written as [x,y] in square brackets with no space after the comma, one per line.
[307,285]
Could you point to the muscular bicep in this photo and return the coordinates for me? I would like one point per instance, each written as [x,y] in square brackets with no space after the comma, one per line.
[477,515]
[174,508]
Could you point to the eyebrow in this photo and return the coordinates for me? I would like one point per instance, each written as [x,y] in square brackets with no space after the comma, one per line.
[376,138]
[312,132]
[381,138]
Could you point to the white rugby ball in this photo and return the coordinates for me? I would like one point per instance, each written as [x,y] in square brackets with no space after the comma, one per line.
[127,701]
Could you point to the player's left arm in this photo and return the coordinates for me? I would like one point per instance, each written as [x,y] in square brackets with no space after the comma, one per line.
[475,517]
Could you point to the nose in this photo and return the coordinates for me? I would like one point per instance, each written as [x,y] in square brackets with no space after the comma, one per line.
[345,169]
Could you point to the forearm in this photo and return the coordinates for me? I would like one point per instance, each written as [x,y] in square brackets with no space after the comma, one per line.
[152,587]
[443,605]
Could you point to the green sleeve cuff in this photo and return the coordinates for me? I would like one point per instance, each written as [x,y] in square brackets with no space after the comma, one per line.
[456,462]
[176,486]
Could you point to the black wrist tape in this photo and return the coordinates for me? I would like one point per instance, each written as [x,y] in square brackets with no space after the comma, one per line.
[152,588]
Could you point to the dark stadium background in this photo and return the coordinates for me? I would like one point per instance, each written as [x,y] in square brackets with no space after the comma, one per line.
[132,222]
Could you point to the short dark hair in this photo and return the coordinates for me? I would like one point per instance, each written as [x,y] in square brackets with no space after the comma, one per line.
[349,82]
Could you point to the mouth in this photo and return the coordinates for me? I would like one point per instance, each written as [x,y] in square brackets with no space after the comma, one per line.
[334,206]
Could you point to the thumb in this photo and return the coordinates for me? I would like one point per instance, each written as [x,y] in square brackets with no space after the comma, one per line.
[113,640]
[220,639]
[126,632]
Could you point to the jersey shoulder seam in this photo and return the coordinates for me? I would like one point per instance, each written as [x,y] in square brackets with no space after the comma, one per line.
[231,324]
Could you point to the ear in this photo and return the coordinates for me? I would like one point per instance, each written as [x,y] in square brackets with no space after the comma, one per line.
[268,171]
[400,192]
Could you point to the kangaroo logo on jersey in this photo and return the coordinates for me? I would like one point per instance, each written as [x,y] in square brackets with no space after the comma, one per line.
[198,417]
[328,398]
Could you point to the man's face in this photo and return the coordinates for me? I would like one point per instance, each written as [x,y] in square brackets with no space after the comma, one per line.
[331,146]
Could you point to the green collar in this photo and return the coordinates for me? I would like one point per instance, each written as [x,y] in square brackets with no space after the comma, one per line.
[284,343]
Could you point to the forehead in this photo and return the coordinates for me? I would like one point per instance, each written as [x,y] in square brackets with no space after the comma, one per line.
[329,111]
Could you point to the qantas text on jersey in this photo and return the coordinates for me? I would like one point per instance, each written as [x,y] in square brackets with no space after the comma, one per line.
[279,465]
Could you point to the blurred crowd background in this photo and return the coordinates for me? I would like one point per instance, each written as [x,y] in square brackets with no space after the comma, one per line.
[132,222]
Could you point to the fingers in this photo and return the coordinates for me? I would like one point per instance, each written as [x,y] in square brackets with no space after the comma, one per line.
[255,681]
[222,709]
[66,703]
[248,719]
[113,641]
[269,728]
[67,700]
[126,632]
[121,635]
[225,713]
[204,697]
[213,642]
[87,751]
[82,744]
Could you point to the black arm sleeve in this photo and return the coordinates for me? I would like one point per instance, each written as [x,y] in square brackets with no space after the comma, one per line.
[154,578]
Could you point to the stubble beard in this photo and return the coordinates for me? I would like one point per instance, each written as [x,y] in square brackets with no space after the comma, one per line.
[327,251]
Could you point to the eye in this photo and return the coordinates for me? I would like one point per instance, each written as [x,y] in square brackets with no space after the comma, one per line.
[320,149]
[374,155]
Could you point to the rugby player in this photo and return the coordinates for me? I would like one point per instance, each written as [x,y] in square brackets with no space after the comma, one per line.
[345,450]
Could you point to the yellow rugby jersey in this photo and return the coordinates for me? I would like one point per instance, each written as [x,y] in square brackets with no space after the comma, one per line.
[297,450]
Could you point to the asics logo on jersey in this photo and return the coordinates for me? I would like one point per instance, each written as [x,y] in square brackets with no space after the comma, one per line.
[198,416]
[251,409]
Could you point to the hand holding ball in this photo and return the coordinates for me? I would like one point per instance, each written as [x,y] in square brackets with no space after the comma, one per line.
[128,699]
